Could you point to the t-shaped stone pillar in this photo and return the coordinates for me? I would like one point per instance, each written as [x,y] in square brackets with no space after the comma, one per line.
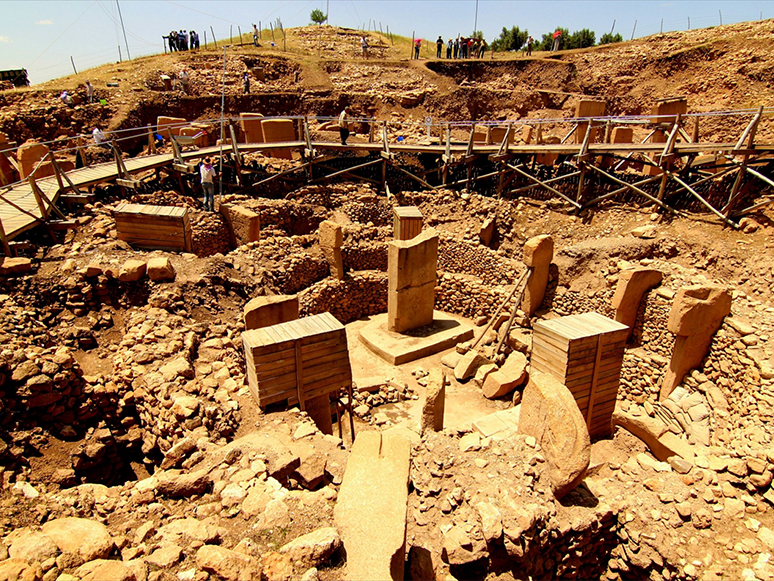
[632,285]
[331,238]
[411,280]
[538,253]
[697,313]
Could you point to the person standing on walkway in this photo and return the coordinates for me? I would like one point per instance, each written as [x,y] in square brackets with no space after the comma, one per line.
[449,49]
[343,126]
[438,47]
[456,47]
[208,184]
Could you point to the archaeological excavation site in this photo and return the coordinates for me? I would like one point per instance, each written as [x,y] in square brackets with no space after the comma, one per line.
[518,325]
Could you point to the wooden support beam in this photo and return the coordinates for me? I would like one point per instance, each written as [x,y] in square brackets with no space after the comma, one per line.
[706,204]
[4,241]
[570,134]
[749,134]
[411,175]
[635,189]
[347,171]
[549,181]
[279,175]
[544,184]
[620,190]
[151,140]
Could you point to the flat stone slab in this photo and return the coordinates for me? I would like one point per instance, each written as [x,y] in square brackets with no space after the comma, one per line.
[370,513]
[398,348]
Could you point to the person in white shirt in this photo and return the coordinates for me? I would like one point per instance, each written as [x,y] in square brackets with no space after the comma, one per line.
[208,184]
[90,91]
[343,126]
[99,137]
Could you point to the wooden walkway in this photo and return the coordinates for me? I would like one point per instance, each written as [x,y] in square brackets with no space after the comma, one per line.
[20,208]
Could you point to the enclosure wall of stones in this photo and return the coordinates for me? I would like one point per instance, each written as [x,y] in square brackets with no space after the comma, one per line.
[129,363]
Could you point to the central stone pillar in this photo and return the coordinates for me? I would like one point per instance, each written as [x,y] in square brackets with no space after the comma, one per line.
[411,274]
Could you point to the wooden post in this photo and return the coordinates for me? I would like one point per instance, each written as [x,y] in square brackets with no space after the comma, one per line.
[215,42]
[151,140]
[695,137]
[38,198]
[4,241]
[749,134]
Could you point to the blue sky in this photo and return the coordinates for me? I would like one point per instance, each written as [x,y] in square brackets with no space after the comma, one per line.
[41,36]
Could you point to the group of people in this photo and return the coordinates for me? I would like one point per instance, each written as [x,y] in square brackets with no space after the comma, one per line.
[456,48]
[182,40]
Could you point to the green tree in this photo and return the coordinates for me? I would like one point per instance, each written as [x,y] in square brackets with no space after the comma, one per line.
[478,35]
[317,16]
[581,39]
[512,39]
[608,38]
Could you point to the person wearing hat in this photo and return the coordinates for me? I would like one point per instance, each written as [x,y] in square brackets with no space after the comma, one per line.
[208,184]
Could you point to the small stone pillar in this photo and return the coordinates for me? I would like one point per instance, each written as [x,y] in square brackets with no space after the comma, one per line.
[411,280]
[697,313]
[435,402]
[331,238]
[273,310]
[587,108]
[407,222]
[632,285]
[538,253]
[29,155]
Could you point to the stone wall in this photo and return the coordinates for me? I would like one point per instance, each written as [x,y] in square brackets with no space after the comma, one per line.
[244,225]
[358,295]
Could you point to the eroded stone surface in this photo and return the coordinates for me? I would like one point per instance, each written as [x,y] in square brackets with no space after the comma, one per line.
[411,275]
[371,510]
[549,414]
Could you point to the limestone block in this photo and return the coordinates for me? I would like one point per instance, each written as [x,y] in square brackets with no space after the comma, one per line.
[313,549]
[697,313]
[622,135]
[511,375]
[538,253]
[88,538]
[11,266]
[526,133]
[8,173]
[549,414]
[200,137]
[331,236]
[587,108]
[632,285]
[132,270]
[28,155]
[170,124]
[267,311]
[487,231]
[227,564]
[370,513]
[251,126]
[435,402]
[244,225]
[319,409]
[279,130]
[468,365]
[160,268]
[411,280]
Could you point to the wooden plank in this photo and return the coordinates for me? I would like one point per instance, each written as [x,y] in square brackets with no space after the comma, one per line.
[323,345]
[324,358]
[301,376]
[273,357]
[321,373]
[270,370]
